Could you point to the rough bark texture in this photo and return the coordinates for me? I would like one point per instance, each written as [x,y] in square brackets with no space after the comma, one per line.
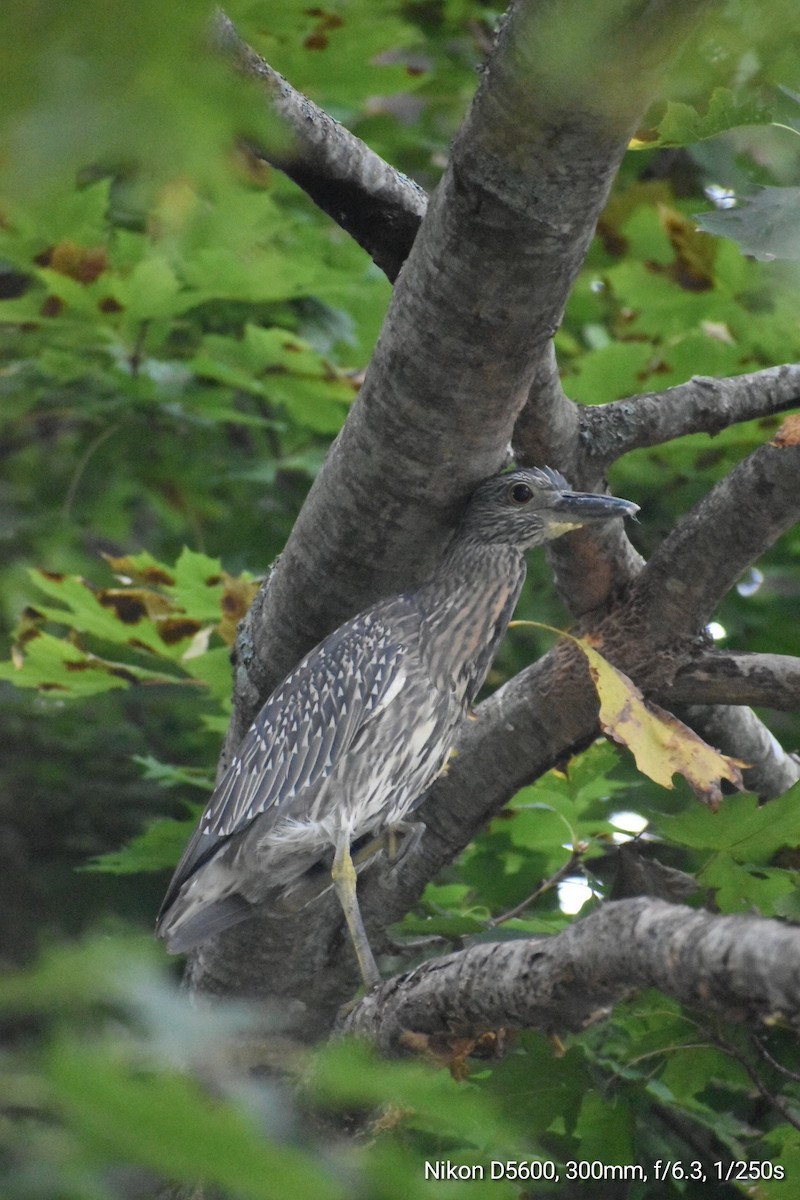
[720,677]
[703,405]
[469,326]
[676,594]
[464,366]
[378,206]
[743,967]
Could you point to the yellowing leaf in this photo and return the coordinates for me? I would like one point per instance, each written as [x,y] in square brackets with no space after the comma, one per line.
[661,744]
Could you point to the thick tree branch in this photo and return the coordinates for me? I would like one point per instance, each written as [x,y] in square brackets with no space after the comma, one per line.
[739,733]
[468,328]
[676,593]
[590,566]
[737,677]
[703,405]
[538,718]
[744,967]
[378,206]
[548,426]
[470,321]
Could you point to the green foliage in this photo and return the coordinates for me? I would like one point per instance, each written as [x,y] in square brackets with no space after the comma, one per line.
[181,334]
[562,814]
[72,99]
[156,848]
[741,847]
[315,48]
[159,613]
[130,1072]
[120,1095]
[664,302]
[127,1071]
[763,224]
[682,125]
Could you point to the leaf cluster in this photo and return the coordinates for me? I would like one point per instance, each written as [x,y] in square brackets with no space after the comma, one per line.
[181,336]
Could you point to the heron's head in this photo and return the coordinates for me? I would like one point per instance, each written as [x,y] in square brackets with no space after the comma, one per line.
[532,505]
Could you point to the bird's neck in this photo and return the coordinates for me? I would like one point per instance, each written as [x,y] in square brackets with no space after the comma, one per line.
[468,604]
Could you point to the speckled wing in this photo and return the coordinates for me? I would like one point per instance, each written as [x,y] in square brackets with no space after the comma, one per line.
[304,729]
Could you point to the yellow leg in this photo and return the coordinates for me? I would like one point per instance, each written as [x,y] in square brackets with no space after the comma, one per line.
[343,874]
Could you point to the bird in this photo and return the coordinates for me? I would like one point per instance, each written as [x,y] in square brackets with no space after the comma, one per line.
[353,738]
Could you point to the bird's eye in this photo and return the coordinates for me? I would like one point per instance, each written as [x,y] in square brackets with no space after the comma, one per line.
[520,493]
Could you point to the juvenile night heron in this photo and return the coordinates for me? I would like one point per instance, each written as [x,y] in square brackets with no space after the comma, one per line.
[353,738]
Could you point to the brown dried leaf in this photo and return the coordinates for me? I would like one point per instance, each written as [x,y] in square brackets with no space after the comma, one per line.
[789,432]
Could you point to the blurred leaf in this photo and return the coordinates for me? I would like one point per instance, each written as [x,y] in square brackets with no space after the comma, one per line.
[69,976]
[682,124]
[120,86]
[166,1122]
[169,775]
[604,1127]
[57,667]
[763,224]
[345,1073]
[158,847]
[340,54]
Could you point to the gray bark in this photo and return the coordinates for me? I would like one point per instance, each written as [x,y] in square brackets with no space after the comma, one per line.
[378,206]
[703,405]
[746,968]
[463,367]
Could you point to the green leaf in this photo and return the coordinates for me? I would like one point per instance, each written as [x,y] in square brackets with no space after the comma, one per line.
[605,1127]
[103,613]
[451,927]
[347,1074]
[112,86]
[165,1121]
[763,224]
[151,291]
[158,847]
[340,54]
[165,612]
[213,669]
[199,584]
[168,775]
[689,1070]
[61,670]
[539,826]
[749,831]
[747,886]
[610,373]
[279,366]
[682,124]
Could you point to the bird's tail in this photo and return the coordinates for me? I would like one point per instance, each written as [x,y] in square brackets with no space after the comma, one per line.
[186,923]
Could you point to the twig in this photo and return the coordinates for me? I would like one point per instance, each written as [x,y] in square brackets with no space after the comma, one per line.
[546,886]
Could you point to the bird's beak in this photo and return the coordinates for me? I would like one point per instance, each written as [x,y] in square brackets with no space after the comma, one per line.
[571,510]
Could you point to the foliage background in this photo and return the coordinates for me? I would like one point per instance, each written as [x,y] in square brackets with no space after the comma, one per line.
[182,334]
